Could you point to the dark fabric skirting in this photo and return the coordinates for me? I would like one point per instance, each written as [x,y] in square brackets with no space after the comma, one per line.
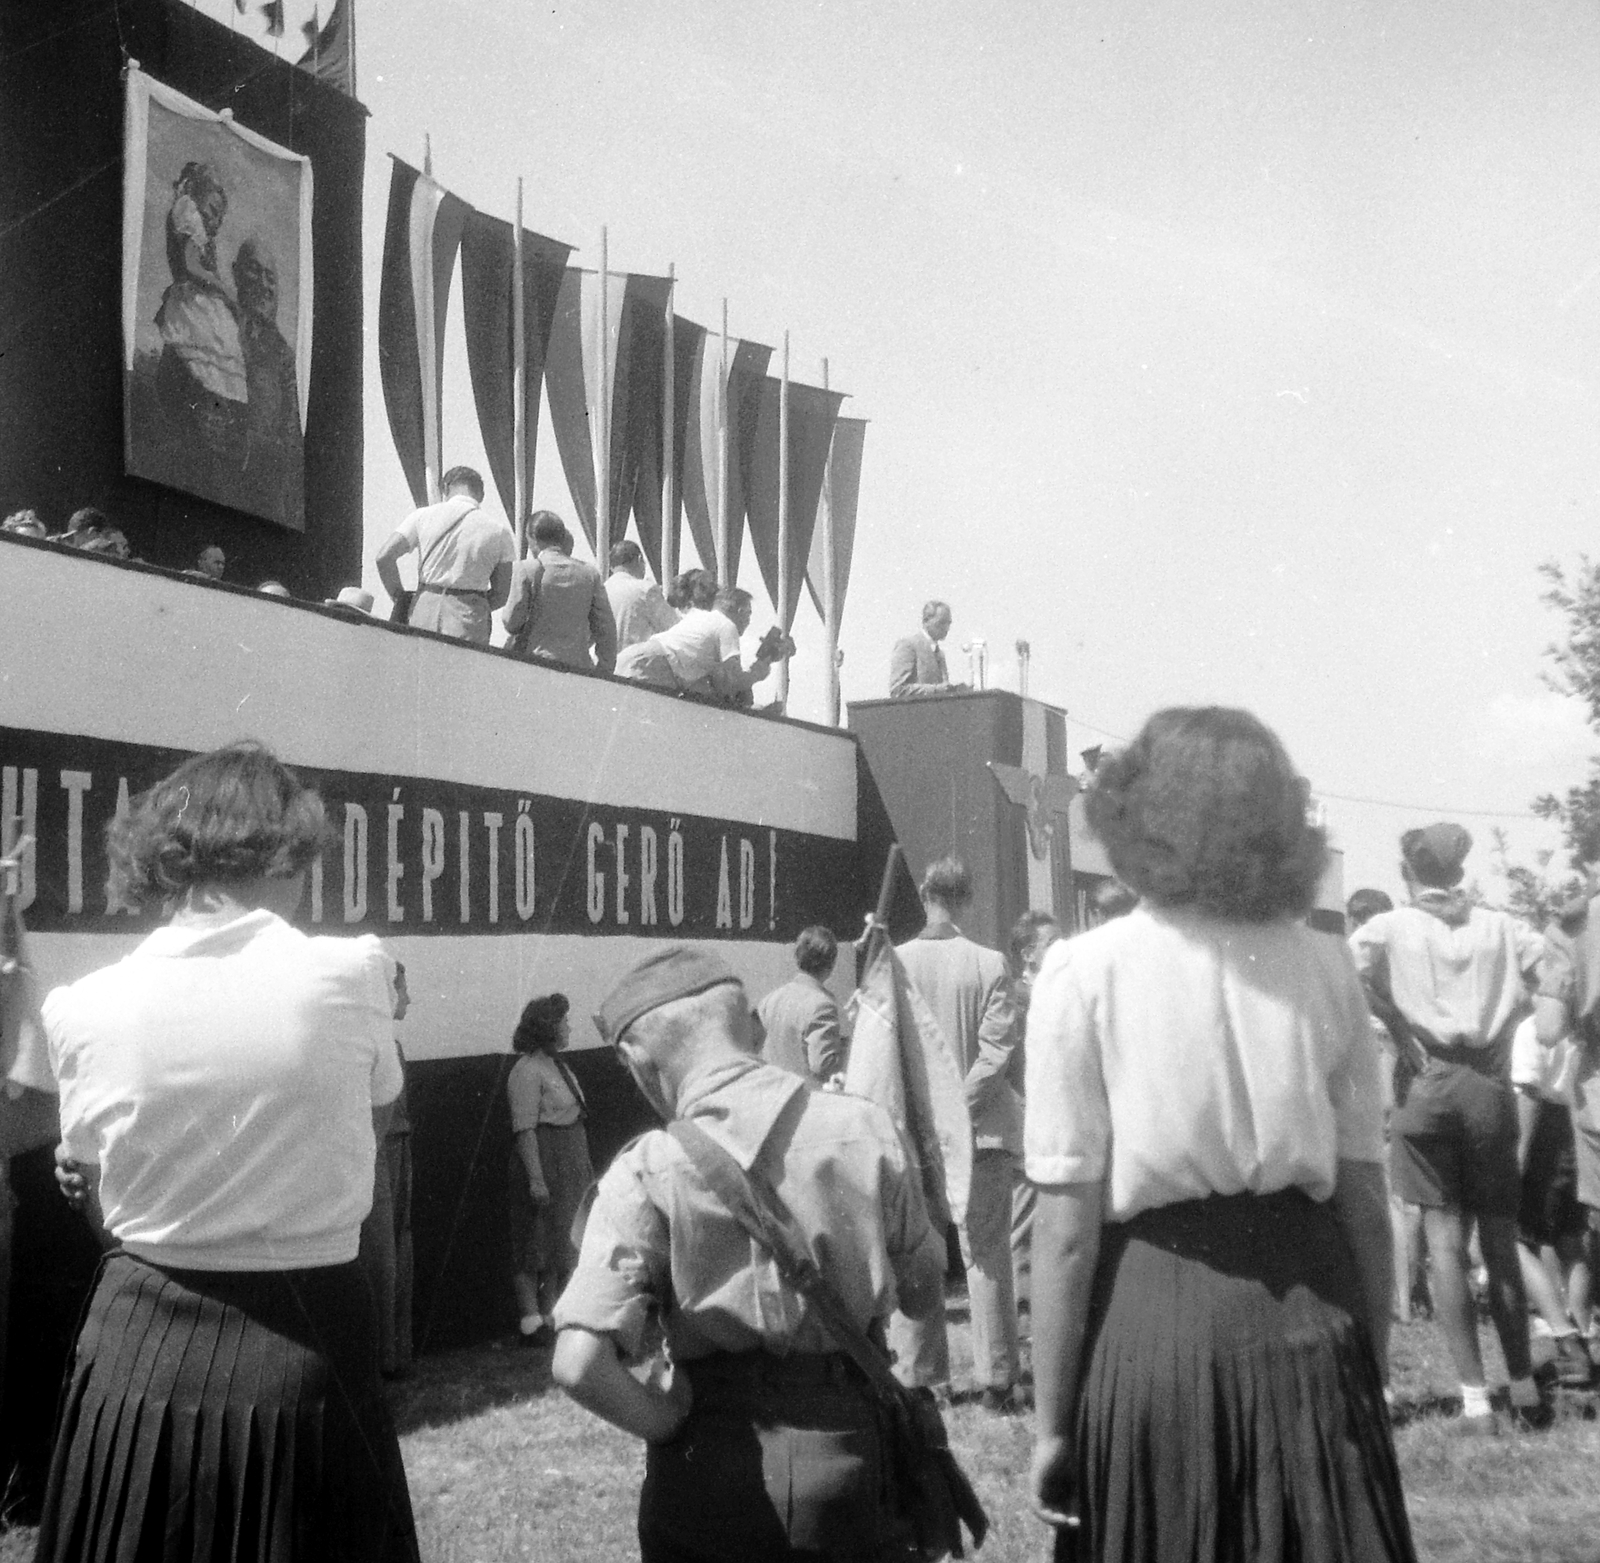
[1231,1407]
[214,1415]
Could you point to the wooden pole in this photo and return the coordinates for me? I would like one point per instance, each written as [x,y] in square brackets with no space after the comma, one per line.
[519,387]
[433,431]
[830,586]
[724,537]
[783,518]
[669,432]
[602,429]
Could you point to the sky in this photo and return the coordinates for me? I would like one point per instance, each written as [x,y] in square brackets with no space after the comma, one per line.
[1239,353]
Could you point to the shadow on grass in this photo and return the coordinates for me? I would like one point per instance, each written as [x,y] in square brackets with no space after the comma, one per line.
[456,1385]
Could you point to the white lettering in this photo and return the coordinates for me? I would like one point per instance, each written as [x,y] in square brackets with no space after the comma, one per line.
[747,882]
[432,858]
[28,827]
[466,861]
[75,784]
[724,895]
[115,902]
[397,870]
[647,876]
[525,867]
[493,822]
[674,875]
[624,878]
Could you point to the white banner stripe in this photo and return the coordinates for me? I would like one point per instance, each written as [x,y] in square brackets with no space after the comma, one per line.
[185,666]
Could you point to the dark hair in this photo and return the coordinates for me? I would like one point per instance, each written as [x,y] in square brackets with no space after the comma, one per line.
[540,1024]
[1025,934]
[1364,905]
[730,599]
[462,477]
[1204,809]
[1113,899]
[947,883]
[626,554]
[547,528]
[87,519]
[693,589]
[816,950]
[220,818]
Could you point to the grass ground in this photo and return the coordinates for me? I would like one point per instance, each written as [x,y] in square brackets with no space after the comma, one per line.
[502,1467]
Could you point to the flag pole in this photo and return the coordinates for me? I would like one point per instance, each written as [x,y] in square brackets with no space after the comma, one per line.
[830,587]
[669,432]
[430,354]
[783,519]
[723,539]
[351,13]
[519,386]
[602,454]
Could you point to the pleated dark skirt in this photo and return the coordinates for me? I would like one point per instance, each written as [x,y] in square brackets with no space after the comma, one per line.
[1231,1406]
[213,1415]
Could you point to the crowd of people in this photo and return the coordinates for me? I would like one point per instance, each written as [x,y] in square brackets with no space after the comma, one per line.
[1178,1123]
[556,608]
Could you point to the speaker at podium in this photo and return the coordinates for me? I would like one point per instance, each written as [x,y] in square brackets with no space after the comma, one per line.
[983,776]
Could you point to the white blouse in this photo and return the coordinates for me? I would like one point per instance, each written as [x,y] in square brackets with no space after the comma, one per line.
[1176,1056]
[223,1080]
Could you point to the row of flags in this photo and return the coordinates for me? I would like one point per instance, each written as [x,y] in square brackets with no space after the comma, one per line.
[610,379]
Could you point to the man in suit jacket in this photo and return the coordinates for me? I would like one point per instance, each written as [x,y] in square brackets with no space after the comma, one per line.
[968,989]
[800,1021]
[916,665]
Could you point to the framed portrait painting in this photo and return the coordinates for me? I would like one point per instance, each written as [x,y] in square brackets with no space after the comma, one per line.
[216,306]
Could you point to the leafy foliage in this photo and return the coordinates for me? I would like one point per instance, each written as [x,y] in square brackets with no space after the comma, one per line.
[1575,671]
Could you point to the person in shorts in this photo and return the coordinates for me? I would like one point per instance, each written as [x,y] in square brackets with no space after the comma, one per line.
[1551,1225]
[1450,981]
[1568,1005]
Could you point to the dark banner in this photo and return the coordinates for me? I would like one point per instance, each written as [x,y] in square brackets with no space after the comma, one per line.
[417,856]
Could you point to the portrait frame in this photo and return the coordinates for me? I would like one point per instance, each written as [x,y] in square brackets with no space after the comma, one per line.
[217,274]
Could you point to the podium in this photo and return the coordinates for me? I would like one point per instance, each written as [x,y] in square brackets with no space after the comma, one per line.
[981,776]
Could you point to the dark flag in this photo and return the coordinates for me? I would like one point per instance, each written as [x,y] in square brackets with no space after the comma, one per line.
[849,435]
[812,414]
[273,11]
[420,242]
[331,48]
[486,304]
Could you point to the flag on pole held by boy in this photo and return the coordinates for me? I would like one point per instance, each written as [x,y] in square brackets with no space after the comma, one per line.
[900,1059]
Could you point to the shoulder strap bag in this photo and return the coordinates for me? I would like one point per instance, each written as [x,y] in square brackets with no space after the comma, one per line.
[931,1490]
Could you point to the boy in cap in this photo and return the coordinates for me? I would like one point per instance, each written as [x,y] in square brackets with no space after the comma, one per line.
[1449,979]
[764,1442]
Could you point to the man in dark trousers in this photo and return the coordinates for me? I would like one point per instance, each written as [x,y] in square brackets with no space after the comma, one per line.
[764,1441]
[1448,979]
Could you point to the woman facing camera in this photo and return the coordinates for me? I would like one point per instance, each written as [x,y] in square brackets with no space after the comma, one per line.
[550,1170]
[218,1087]
[1211,1252]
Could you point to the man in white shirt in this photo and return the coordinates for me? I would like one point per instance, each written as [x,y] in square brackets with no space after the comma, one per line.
[464,560]
[700,653]
[636,603]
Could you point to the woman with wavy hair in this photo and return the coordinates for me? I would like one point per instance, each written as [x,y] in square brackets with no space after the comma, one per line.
[550,1171]
[218,1092]
[1211,1261]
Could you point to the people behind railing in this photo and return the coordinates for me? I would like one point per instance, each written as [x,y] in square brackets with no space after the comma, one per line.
[558,610]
